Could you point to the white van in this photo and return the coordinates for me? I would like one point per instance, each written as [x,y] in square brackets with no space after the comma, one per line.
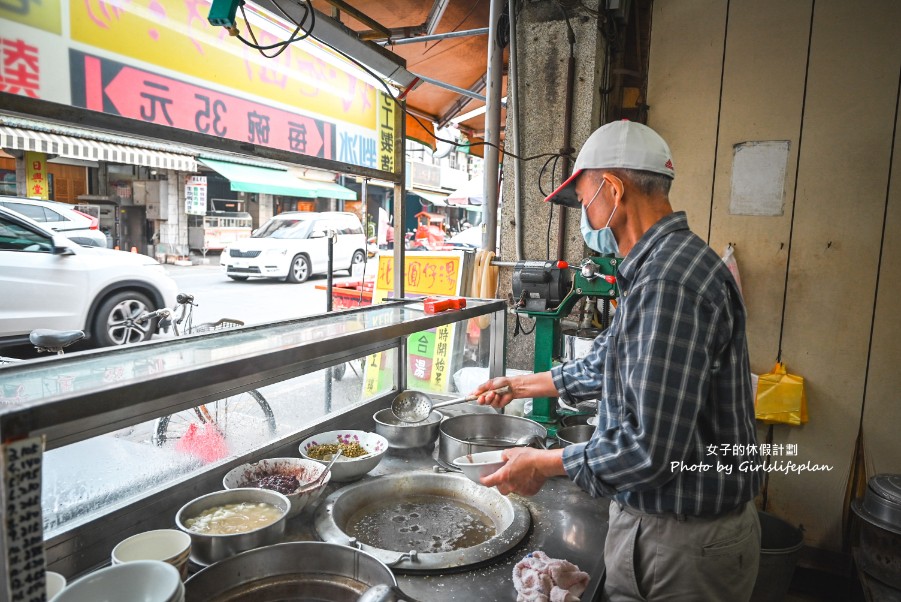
[293,246]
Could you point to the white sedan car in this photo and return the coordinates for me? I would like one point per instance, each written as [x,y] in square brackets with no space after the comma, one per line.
[48,281]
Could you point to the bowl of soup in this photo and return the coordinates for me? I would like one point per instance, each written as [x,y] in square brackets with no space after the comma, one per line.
[224,523]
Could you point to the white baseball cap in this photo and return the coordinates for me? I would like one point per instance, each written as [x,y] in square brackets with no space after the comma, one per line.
[619,144]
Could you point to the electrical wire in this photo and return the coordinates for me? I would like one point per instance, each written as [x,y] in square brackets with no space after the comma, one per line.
[282,46]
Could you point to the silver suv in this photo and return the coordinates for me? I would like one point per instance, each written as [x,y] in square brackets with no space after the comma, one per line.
[50,282]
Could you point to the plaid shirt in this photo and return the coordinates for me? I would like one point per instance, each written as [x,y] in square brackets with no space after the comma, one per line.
[672,378]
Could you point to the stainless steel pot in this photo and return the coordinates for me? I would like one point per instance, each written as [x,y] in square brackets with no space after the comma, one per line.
[575,434]
[576,419]
[407,435]
[306,570]
[207,549]
[474,433]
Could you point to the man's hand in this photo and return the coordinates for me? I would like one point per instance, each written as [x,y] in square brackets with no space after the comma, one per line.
[527,385]
[487,396]
[526,470]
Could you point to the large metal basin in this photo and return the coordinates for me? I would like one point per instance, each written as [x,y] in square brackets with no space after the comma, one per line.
[306,570]
[474,433]
[511,520]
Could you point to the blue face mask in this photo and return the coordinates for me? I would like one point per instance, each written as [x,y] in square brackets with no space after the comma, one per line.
[603,241]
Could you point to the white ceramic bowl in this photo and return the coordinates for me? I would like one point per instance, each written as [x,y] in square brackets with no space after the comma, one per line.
[476,466]
[55,583]
[169,545]
[305,470]
[139,581]
[349,469]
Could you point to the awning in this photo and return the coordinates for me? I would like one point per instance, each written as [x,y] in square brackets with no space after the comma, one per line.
[438,200]
[247,178]
[471,193]
[330,190]
[86,149]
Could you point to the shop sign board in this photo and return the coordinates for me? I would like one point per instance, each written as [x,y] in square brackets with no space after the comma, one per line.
[37,181]
[195,195]
[164,63]
[430,357]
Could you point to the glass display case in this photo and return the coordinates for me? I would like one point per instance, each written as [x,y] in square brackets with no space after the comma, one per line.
[123,429]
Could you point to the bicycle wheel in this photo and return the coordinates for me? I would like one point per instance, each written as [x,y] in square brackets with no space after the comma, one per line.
[242,422]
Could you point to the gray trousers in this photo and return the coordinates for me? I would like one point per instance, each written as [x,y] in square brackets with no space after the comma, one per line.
[653,557]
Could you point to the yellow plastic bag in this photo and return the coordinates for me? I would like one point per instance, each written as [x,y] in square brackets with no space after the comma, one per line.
[781,398]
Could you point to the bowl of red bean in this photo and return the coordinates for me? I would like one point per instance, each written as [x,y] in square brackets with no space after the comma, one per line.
[292,477]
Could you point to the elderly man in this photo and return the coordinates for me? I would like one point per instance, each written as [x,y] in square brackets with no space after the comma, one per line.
[676,433]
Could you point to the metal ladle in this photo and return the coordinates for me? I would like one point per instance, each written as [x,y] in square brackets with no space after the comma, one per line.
[415,406]
[322,475]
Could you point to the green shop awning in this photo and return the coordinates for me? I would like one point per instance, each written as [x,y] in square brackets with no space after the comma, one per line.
[436,199]
[246,178]
[330,190]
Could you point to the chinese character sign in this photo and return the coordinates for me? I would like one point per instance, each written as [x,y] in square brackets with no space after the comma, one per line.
[386,132]
[430,354]
[20,70]
[36,177]
[195,195]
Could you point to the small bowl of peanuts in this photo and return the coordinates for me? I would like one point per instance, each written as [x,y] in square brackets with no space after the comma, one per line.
[361,451]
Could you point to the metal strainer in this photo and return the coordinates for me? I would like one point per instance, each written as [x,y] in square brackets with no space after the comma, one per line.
[415,406]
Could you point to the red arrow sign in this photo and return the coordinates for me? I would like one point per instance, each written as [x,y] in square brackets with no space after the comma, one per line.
[143,95]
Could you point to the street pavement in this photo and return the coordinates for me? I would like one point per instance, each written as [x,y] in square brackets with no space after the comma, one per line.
[254,301]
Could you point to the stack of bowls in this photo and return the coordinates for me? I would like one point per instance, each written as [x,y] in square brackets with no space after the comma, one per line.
[167,545]
[407,435]
[55,583]
[306,472]
[208,548]
[144,580]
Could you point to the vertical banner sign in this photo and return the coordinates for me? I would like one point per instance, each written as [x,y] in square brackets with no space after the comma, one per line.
[386,132]
[36,178]
[22,528]
[429,353]
[195,195]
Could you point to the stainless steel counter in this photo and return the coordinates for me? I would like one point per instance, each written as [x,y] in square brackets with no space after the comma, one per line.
[566,523]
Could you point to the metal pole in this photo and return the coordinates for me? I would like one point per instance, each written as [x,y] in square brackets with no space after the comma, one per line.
[453,88]
[492,124]
[400,211]
[365,199]
[567,139]
[331,235]
[438,36]
[513,107]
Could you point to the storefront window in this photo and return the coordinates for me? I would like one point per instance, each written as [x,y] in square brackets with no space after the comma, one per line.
[8,182]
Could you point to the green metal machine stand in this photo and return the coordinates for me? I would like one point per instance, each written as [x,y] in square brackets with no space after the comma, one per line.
[595,277]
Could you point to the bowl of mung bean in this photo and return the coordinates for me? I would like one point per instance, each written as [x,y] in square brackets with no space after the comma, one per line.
[361,451]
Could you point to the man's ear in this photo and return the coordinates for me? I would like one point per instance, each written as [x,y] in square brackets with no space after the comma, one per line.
[617,186]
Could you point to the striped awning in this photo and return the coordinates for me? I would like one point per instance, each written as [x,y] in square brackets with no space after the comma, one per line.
[71,147]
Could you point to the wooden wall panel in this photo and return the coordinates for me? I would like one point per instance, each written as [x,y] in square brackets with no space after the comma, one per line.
[882,401]
[843,172]
[685,70]
[762,98]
